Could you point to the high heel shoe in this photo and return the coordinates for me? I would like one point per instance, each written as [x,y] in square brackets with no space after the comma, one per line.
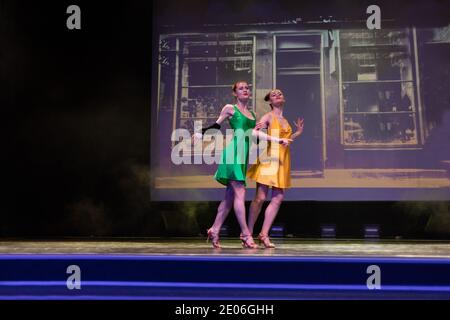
[214,237]
[265,240]
[247,242]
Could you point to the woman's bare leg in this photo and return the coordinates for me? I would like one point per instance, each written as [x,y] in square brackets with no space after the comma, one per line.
[256,205]
[272,210]
[224,209]
[239,205]
[239,210]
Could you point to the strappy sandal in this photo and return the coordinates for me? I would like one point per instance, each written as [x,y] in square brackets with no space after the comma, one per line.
[214,237]
[265,240]
[247,242]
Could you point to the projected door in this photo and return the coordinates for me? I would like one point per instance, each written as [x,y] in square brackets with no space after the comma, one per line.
[298,75]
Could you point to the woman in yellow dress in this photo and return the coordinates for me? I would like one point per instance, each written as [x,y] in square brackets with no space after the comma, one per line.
[273,168]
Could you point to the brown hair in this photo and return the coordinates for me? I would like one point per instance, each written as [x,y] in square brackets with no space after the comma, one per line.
[267,97]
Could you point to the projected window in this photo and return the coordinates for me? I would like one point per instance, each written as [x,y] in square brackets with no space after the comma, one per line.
[209,65]
[196,74]
[377,88]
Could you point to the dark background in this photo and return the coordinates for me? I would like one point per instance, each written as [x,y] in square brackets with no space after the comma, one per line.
[77,118]
[76,124]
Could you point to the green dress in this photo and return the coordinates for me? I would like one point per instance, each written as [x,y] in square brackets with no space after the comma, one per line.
[235,155]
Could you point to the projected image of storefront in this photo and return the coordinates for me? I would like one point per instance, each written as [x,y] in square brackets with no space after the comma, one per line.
[375,102]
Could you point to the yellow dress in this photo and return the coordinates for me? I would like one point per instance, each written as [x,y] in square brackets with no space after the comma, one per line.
[273,167]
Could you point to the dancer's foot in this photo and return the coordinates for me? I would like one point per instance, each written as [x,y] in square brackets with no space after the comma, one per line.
[214,237]
[247,242]
[265,240]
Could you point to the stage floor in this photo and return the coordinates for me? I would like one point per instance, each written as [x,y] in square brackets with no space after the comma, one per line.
[231,247]
[190,269]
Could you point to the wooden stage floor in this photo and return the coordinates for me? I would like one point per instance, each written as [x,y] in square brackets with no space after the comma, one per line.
[231,247]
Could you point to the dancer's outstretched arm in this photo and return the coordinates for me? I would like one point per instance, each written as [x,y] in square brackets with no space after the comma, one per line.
[227,111]
[264,123]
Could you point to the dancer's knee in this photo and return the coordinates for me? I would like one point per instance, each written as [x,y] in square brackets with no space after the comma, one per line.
[259,199]
[278,199]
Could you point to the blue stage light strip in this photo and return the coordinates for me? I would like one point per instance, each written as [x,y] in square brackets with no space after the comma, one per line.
[37,277]
[274,286]
[224,257]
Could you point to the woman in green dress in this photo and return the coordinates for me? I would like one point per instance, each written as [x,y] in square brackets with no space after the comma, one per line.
[231,172]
